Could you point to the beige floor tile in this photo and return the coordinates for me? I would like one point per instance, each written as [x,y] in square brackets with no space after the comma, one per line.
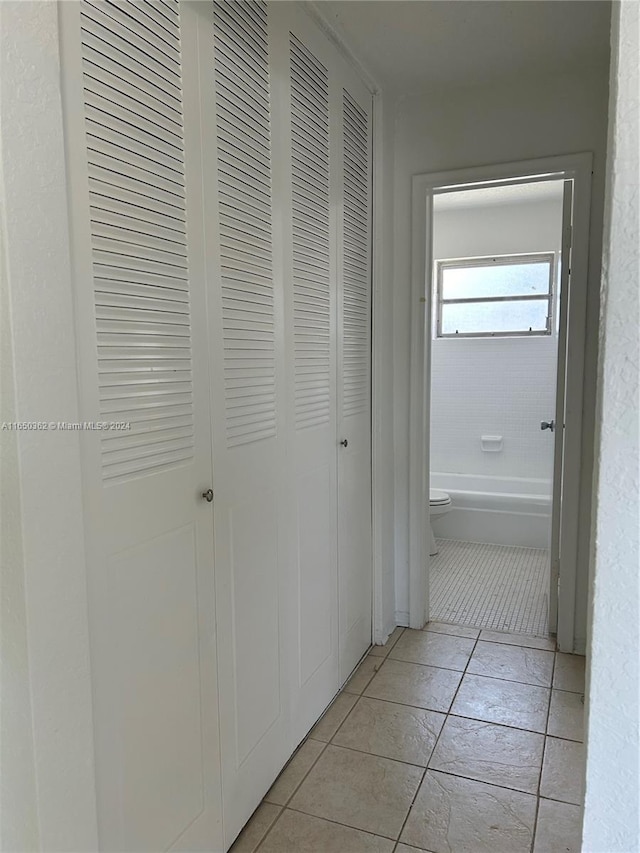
[569,673]
[300,833]
[566,715]
[363,674]
[506,702]
[434,649]
[488,753]
[563,771]
[453,815]
[363,791]
[391,730]
[414,684]
[559,828]
[404,848]
[256,828]
[333,717]
[455,630]
[513,663]
[295,771]
[383,651]
[519,640]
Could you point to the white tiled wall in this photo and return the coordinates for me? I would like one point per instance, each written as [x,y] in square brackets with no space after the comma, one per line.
[494,386]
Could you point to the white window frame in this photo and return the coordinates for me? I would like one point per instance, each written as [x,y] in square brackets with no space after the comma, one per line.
[489,261]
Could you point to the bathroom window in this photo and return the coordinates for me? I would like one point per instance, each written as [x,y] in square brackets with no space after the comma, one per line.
[492,297]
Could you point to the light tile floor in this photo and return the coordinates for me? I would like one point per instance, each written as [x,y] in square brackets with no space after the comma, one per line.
[447,740]
[490,586]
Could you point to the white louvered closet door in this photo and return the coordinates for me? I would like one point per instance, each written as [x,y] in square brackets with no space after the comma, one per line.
[248,411]
[354,374]
[138,257]
[303,65]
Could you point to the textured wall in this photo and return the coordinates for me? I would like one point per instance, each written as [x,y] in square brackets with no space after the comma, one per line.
[518,119]
[496,386]
[611,822]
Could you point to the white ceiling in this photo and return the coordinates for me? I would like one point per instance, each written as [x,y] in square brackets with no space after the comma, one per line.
[539,191]
[424,44]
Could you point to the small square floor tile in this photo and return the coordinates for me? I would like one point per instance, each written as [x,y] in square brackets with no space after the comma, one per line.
[569,673]
[363,791]
[563,771]
[414,684]
[519,640]
[256,828]
[393,731]
[363,674]
[558,828]
[566,715]
[513,663]
[508,703]
[383,651]
[433,649]
[455,630]
[300,833]
[488,753]
[452,814]
[332,718]
[294,772]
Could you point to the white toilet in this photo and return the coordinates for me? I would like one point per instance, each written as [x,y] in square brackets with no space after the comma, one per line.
[439,504]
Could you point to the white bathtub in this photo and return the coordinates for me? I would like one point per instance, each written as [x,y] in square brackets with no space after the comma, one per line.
[497,510]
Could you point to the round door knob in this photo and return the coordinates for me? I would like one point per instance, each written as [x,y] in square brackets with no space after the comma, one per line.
[208,495]
[344,442]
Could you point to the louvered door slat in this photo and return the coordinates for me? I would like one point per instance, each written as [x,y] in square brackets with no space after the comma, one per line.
[133,122]
[356,278]
[310,243]
[244,202]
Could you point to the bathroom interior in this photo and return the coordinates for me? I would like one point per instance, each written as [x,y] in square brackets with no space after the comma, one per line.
[494,360]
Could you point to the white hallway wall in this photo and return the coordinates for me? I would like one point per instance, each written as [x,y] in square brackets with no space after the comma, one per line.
[48,782]
[496,386]
[612,821]
[478,125]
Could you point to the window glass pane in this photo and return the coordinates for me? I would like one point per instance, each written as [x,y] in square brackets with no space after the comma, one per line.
[487,317]
[496,280]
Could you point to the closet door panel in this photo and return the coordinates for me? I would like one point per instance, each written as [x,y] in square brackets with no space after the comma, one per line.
[304,134]
[244,284]
[354,372]
[136,203]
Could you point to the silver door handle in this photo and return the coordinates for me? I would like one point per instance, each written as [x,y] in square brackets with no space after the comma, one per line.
[208,495]
[548,425]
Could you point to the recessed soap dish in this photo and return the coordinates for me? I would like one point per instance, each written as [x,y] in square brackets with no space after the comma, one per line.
[491,443]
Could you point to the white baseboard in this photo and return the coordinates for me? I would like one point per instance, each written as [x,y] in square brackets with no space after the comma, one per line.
[402,618]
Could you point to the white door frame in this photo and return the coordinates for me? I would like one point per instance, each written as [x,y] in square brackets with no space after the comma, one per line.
[576,167]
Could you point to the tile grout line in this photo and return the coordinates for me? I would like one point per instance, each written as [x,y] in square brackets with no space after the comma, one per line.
[449,713]
[336,823]
[544,752]
[270,827]
[342,690]
[435,745]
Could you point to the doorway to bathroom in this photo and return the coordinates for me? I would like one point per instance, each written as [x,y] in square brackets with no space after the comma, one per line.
[497,366]
[494,353]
